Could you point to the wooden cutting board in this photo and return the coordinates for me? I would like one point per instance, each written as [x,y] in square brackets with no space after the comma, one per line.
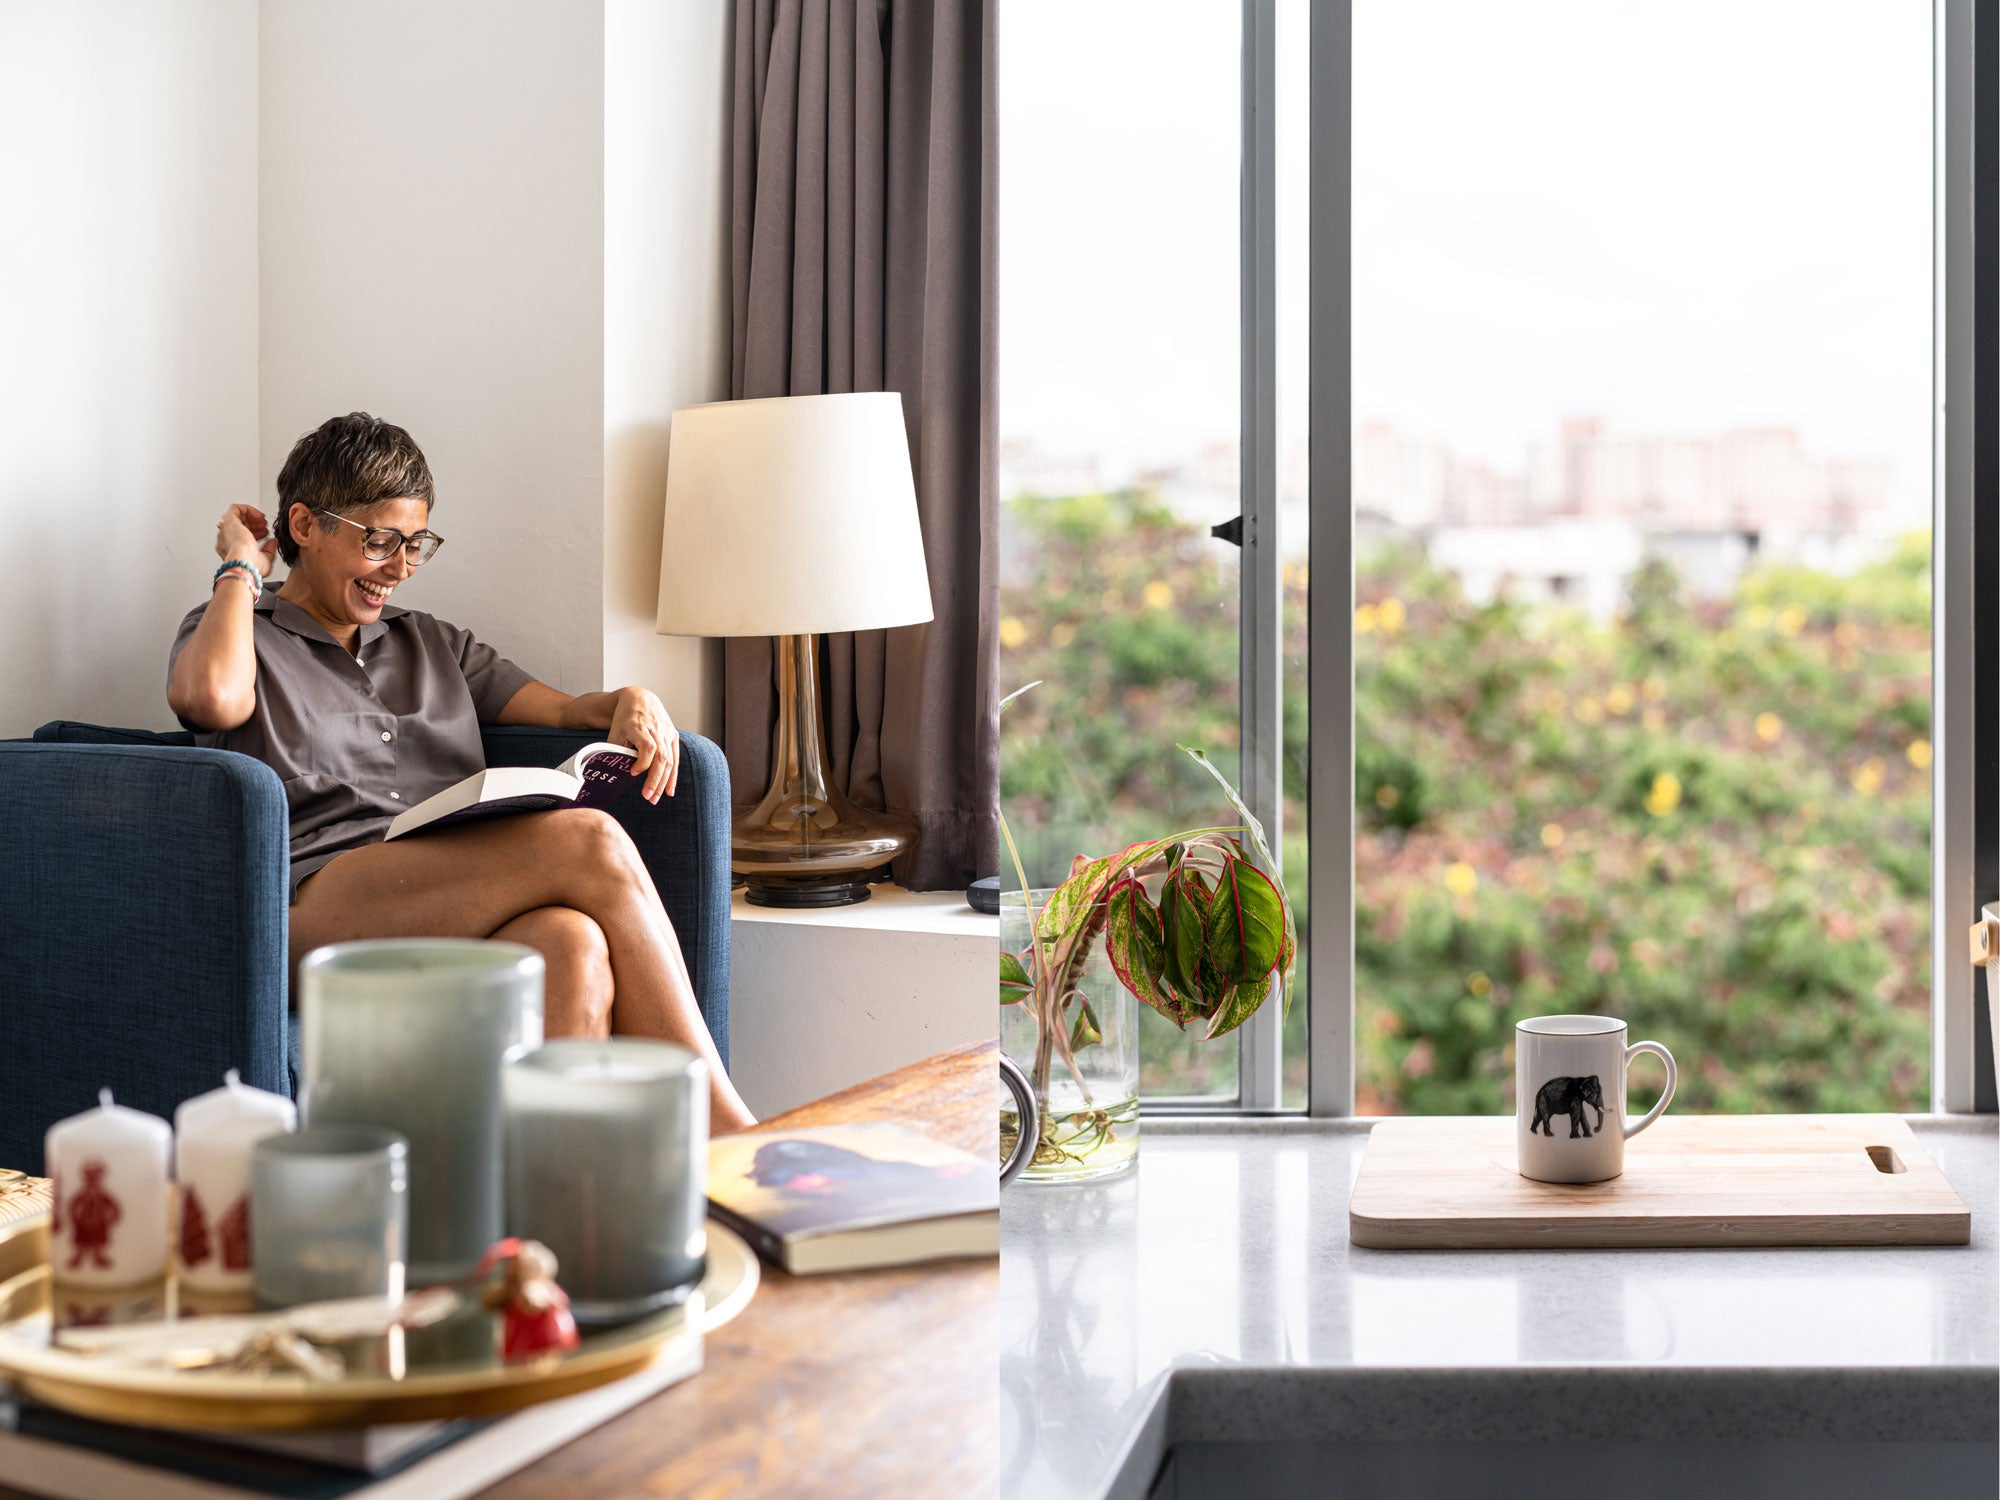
[1451,1184]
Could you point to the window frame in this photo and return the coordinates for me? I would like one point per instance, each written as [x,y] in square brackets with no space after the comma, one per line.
[1965,574]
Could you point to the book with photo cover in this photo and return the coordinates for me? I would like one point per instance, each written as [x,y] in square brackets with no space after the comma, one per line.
[48,1452]
[596,776]
[847,1197]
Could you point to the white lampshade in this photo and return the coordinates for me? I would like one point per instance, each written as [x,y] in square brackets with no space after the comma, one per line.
[794,515]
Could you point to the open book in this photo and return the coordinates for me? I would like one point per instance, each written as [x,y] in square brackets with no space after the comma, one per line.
[596,776]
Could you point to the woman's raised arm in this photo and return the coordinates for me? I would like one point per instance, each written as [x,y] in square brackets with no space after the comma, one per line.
[214,681]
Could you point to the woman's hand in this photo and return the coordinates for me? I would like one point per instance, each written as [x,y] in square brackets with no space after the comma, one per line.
[640,720]
[244,533]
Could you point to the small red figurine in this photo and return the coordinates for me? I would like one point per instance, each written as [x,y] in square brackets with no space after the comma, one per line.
[535,1311]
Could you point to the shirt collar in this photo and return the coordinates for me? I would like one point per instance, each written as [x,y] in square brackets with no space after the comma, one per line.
[298,622]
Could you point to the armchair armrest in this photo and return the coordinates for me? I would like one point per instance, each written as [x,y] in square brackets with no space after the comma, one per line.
[143,895]
[684,842]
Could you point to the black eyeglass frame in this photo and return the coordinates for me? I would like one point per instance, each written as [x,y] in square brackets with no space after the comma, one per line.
[403,541]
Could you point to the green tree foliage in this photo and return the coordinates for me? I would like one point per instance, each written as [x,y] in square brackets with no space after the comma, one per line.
[1709,817]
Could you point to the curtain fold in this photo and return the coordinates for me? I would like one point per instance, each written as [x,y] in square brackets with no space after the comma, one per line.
[862,259]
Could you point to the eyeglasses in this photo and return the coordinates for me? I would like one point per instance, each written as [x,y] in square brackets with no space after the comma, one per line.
[381,542]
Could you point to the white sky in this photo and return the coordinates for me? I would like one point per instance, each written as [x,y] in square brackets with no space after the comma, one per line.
[1680,216]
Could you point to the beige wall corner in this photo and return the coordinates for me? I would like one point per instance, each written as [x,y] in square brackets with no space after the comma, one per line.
[666,315]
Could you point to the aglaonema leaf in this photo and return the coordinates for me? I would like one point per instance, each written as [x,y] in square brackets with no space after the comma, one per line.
[1246,929]
[1015,985]
[1184,908]
[1136,945]
[1239,1005]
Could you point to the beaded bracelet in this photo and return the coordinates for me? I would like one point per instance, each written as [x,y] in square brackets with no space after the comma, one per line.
[248,574]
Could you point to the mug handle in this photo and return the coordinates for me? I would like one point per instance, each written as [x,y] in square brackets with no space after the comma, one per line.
[1026,1112]
[1666,1094]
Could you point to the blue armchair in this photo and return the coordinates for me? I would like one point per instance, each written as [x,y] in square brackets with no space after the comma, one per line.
[143,913]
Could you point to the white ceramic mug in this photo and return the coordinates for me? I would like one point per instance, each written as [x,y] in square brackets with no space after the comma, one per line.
[1569,1096]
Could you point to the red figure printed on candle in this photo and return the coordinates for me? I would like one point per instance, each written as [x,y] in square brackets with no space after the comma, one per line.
[93,1214]
[194,1228]
[535,1311]
[235,1232]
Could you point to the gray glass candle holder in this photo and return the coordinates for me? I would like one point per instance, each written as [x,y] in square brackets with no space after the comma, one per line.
[410,1034]
[329,1215]
[607,1165]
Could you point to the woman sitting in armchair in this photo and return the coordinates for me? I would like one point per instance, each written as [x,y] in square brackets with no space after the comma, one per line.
[365,708]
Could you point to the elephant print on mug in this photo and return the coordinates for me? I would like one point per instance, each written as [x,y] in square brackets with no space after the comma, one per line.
[1568,1096]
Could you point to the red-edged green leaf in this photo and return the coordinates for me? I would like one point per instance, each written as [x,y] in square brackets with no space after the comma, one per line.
[1184,908]
[1136,946]
[1239,1005]
[1083,1032]
[1015,985]
[1246,929]
[1069,908]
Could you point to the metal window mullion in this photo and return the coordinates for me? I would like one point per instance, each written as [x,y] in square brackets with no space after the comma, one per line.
[1959,326]
[1260,1044]
[1331,565]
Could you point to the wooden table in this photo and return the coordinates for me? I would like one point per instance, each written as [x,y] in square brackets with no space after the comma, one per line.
[874,1383]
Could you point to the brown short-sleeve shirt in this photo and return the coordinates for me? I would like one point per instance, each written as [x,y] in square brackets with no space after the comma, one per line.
[357,739]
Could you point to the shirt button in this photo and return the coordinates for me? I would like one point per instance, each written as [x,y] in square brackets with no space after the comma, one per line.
[386,735]
[395,796]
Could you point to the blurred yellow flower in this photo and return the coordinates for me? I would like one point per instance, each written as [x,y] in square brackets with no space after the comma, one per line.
[1389,613]
[1590,710]
[1665,795]
[1554,703]
[1654,719]
[1868,776]
[1919,752]
[1792,619]
[1757,616]
[1364,619]
[1769,728]
[1460,878]
[1157,595]
[1479,984]
[1386,796]
[1619,699]
[1062,635]
[1013,634]
[1552,835]
[1654,689]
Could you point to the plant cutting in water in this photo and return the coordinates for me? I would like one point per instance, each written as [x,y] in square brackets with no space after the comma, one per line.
[1192,926]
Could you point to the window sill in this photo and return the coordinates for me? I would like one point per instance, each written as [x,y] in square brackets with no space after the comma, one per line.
[1242,1313]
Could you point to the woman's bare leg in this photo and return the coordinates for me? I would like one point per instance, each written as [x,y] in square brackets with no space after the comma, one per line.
[472,882]
[577,988]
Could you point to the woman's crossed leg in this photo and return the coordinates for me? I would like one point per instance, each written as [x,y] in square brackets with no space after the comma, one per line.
[568,883]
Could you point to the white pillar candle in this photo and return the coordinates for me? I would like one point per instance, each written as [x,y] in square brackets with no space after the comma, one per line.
[110,1212]
[213,1134]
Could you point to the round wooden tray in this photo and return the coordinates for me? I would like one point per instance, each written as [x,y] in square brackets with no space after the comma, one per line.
[437,1376]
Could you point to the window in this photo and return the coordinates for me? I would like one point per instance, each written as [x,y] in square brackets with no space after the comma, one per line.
[1624,434]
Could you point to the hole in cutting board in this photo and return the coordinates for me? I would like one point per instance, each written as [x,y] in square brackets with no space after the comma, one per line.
[1886,1159]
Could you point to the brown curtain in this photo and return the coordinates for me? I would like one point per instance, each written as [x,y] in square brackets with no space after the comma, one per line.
[862,259]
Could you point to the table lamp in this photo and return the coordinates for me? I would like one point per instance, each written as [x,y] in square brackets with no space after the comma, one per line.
[789,517]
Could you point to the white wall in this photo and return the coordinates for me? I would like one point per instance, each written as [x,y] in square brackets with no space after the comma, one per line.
[500,223]
[433,252]
[666,313]
[128,339]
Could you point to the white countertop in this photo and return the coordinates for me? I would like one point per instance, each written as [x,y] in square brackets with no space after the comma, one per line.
[1223,1262]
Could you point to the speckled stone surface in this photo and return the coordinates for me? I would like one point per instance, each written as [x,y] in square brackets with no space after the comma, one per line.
[1212,1295]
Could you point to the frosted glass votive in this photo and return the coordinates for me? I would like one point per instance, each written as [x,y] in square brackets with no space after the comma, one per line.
[329,1214]
[410,1035]
[607,1165]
